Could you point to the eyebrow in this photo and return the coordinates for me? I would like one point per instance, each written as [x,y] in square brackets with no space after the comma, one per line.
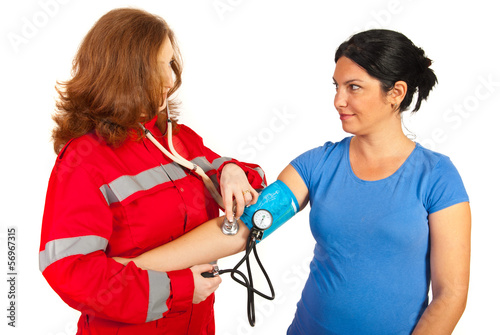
[348,81]
[171,59]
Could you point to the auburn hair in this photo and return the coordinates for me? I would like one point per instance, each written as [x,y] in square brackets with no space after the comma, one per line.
[115,81]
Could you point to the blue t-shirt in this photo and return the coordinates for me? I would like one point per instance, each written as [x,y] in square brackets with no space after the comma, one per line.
[371,270]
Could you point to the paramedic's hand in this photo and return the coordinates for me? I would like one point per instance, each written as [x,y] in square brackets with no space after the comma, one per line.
[234,185]
[203,287]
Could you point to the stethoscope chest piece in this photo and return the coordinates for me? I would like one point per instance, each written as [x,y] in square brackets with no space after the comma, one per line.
[230,228]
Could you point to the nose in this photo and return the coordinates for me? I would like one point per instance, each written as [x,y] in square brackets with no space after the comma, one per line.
[340,100]
[169,79]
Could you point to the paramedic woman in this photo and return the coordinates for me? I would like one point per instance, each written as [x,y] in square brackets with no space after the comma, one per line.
[113,193]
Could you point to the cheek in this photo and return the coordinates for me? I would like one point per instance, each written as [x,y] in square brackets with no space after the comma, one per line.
[163,74]
[359,105]
[167,75]
[373,104]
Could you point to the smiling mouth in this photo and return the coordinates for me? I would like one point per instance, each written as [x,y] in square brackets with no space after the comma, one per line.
[346,116]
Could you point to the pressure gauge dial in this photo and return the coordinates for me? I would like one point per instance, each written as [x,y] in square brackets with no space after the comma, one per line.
[262,219]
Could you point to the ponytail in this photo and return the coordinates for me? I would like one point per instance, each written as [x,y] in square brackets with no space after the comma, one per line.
[426,80]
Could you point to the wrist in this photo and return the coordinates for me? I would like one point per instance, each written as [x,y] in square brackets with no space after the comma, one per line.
[230,166]
[232,169]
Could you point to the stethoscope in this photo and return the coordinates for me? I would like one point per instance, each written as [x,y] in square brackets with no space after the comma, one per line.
[262,220]
[174,156]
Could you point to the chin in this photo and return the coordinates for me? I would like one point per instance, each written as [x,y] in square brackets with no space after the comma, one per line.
[348,129]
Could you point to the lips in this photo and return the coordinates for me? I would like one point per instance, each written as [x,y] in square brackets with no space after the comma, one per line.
[344,117]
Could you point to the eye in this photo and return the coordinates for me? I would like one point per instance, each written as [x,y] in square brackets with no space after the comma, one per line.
[355,87]
[336,86]
[171,62]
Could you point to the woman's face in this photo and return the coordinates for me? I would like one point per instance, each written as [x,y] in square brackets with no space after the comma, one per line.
[165,58]
[362,104]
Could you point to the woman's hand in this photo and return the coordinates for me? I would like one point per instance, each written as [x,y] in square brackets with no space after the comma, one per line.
[234,185]
[203,287]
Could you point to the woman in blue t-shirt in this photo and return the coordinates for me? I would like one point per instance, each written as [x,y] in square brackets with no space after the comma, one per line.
[388,215]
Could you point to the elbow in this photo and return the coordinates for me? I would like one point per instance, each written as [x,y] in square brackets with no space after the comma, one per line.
[454,298]
[461,302]
[458,303]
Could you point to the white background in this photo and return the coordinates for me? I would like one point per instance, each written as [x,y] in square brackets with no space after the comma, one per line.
[257,86]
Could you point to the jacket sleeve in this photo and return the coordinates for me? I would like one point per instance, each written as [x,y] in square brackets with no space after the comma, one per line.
[254,172]
[76,228]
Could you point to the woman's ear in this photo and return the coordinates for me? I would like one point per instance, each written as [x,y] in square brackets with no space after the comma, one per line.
[398,93]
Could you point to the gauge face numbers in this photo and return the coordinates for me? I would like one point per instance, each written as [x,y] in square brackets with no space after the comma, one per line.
[262,219]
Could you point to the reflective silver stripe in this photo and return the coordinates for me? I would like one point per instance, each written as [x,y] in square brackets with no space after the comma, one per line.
[174,171]
[64,247]
[261,174]
[203,163]
[219,161]
[125,186]
[206,166]
[108,194]
[159,291]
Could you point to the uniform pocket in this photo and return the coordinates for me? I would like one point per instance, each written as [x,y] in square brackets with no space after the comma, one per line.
[94,326]
[154,217]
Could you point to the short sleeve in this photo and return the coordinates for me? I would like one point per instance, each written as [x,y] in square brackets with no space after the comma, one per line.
[306,163]
[446,187]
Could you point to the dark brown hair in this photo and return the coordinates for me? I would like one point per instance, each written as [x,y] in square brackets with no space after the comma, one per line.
[116,80]
[390,56]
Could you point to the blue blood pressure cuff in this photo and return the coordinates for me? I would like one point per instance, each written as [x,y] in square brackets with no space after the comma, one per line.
[279,200]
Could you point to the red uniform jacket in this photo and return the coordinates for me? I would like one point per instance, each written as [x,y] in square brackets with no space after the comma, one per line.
[104,202]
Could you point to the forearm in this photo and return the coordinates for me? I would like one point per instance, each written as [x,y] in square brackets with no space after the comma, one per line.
[203,244]
[442,315]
